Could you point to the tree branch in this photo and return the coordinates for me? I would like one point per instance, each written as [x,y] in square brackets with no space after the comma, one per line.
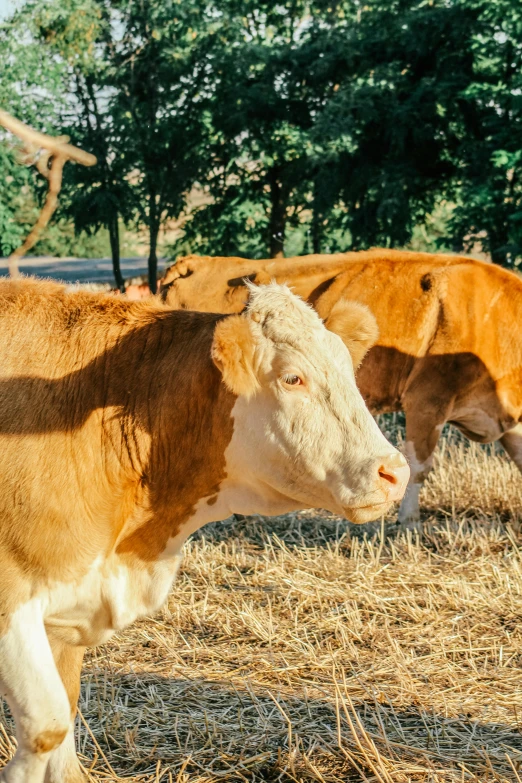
[55,154]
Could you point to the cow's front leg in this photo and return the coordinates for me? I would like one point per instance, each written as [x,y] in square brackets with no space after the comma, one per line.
[427,404]
[63,766]
[512,442]
[30,683]
[421,439]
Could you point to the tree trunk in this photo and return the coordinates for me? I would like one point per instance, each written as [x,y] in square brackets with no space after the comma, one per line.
[277,217]
[153,257]
[316,234]
[499,256]
[316,224]
[114,237]
[498,245]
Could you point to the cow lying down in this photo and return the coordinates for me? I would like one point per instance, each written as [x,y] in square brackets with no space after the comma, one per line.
[449,347]
[124,427]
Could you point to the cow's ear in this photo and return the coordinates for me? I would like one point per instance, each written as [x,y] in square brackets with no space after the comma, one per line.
[260,277]
[356,326]
[233,350]
[235,282]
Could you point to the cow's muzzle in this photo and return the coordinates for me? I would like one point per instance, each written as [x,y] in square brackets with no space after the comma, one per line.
[391,475]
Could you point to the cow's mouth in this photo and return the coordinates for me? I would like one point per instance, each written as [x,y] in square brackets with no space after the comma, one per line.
[359,515]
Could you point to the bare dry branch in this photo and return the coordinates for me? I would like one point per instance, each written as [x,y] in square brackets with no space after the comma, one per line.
[55,145]
[49,154]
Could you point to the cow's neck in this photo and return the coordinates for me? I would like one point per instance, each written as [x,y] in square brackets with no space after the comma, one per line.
[310,273]
[181,411]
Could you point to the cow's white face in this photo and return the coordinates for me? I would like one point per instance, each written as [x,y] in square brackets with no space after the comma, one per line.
[302,433]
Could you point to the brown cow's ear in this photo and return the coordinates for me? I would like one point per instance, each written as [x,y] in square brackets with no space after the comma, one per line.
[233,350]
[236,282]
[260,277]
[356,326]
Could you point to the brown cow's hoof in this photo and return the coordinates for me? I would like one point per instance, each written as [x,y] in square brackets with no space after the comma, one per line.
[415,525]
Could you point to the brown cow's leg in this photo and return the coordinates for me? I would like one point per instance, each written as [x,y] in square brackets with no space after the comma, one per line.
[512,442]
[422,434]
[64,766]
[427,403]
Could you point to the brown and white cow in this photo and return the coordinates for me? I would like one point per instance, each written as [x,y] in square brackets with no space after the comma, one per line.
[125,426]
[449,349]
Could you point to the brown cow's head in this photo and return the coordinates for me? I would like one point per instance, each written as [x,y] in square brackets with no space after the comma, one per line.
[207,284]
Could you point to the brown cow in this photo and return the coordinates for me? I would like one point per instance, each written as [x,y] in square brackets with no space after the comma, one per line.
[449,348]
[125,426]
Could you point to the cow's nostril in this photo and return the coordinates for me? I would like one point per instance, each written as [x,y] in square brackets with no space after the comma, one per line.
[388,475]
[393,474]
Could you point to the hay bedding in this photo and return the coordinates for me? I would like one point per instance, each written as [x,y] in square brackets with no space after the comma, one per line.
[295,650]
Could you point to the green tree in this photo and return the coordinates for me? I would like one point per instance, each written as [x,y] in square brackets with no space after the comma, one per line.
[339,115]
[156,107]
[310,126]
[488,185]
[129,94]
[30,89]
[76,34]
[261,153]
[393,78]
[360,120]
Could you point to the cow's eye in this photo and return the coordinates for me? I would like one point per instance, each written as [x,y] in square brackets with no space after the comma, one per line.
[291,380]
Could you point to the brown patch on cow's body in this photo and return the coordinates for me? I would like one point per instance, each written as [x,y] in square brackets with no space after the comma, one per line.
[69,661]
[48,740]
[241,280]
[320,290]
[435,349]
[113,424]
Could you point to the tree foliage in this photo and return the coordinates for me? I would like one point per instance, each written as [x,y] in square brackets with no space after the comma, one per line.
[279,127]
[488,184]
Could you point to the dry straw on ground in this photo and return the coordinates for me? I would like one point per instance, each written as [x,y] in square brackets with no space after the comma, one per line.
[292,650]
